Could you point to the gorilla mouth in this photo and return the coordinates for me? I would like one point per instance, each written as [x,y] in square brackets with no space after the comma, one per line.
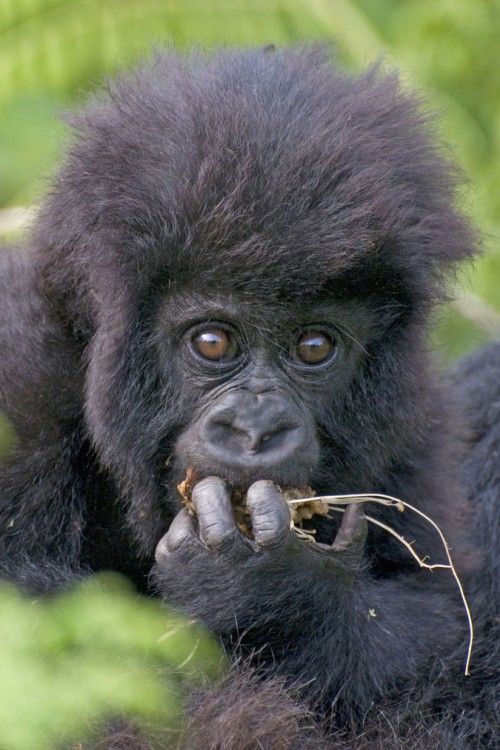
[241,475]
[239,490]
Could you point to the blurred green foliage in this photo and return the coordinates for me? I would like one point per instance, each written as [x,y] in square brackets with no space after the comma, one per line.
[98,652]
[53,51]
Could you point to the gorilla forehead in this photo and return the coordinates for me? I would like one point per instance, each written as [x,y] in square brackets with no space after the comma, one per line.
[276,170]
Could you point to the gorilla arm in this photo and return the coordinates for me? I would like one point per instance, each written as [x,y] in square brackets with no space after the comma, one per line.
[306,610]
[41,496]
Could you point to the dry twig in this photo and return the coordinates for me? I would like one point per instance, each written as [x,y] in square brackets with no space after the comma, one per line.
[333,501]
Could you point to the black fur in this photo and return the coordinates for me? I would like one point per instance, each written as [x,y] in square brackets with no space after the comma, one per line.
[269,191]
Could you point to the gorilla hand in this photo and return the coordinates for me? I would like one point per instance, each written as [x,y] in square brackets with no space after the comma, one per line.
[205,562]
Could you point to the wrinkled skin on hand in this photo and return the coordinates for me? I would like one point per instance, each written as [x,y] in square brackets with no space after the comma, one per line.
[206,556]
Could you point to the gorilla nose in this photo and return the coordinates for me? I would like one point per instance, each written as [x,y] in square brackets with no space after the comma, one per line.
[248,439]
[244,425]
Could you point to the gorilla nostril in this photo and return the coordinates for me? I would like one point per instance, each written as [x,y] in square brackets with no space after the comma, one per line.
[268,441]
[256,440]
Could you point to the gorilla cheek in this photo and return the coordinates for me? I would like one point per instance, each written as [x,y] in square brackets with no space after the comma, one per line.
[245,436]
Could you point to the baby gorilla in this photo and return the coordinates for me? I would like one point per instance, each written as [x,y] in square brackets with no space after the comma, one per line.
[233,275]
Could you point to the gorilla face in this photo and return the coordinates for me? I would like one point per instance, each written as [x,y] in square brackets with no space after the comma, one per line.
[258,390]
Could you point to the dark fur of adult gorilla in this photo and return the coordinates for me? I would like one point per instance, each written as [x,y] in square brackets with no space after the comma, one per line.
[234,272]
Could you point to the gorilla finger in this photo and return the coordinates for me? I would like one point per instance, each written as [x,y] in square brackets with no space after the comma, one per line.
[351,536]
[271,517]
[181,531]
[212,502]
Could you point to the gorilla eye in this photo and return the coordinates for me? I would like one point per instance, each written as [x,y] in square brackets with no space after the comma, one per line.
[215,345]
[313,347]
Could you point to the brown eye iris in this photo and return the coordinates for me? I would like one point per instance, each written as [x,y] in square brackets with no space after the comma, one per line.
[313,348]
[215,344]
